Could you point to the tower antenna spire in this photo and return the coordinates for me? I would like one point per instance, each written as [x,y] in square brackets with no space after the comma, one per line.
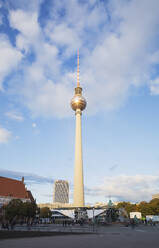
[78,81]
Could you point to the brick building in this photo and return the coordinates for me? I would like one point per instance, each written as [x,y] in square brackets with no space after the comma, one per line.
[13,189]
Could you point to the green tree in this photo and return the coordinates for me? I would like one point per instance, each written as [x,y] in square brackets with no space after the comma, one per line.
[29,209]
[129,207]
[13,209]
[17,208]
[45,212]
[154,206]
[144,208]
[149,208]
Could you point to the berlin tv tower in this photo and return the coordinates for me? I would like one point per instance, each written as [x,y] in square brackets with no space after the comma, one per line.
[78,104]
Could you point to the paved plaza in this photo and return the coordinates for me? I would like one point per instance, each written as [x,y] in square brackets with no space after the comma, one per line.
[111,237]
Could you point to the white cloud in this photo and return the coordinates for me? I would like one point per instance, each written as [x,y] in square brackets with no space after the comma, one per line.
[34,125]
[122,59]
[42,95]
[10,58]
[15,115]
[117,53]
[25,4]
[4,135]
[26,22]
[64,36]
[154,86]
[129,188]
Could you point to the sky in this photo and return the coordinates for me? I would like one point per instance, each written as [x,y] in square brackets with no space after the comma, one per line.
[118,42]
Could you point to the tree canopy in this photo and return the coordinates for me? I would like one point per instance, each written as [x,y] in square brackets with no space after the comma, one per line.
[17,208]
[146,208]
[45,212]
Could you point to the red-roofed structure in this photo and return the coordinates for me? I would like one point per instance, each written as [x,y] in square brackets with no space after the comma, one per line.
[13,189]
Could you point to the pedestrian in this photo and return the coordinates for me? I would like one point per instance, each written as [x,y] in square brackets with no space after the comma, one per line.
[132,222]
[151,222]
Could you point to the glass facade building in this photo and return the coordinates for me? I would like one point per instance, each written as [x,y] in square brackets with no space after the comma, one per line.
[61,191]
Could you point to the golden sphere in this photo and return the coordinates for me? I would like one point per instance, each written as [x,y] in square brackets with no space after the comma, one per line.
[78,102]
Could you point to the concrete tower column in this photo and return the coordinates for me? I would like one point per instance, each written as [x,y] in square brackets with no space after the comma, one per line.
[78,104]
[78,176]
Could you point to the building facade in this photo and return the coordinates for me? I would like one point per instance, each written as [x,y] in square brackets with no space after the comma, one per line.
[61,191]
[13,189]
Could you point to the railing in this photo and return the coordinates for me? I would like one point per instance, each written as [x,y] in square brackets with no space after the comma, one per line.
[56,228]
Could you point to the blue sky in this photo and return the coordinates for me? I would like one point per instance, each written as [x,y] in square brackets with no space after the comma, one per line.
[119,73]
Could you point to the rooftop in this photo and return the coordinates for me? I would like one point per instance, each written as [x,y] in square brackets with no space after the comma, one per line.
[13,188]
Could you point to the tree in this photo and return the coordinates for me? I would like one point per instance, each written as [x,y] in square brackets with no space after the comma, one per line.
[45,212]
[154,206]
[146,208]
[17,208]
[129,207]
[13,209]
[29,209]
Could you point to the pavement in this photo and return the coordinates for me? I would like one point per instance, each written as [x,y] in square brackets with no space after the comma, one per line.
[111,237]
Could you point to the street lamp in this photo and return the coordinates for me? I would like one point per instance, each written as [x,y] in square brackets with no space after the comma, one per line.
[93,219]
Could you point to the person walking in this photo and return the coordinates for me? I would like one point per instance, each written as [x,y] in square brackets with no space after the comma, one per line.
[132,223]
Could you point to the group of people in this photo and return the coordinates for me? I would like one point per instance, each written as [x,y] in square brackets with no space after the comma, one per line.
[8,224]
[151,222]
[133,222]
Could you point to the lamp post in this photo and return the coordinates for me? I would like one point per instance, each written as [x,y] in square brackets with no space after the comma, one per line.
[93,219]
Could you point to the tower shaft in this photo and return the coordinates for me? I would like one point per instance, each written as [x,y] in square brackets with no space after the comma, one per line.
[78,176]
[78,104]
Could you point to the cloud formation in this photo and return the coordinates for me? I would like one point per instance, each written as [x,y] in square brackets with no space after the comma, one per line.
[34,125]
[118,51]
[127,188]
[14,115]
[10,58]
[4,135]
[121,188]
[29,178]
[154,86]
